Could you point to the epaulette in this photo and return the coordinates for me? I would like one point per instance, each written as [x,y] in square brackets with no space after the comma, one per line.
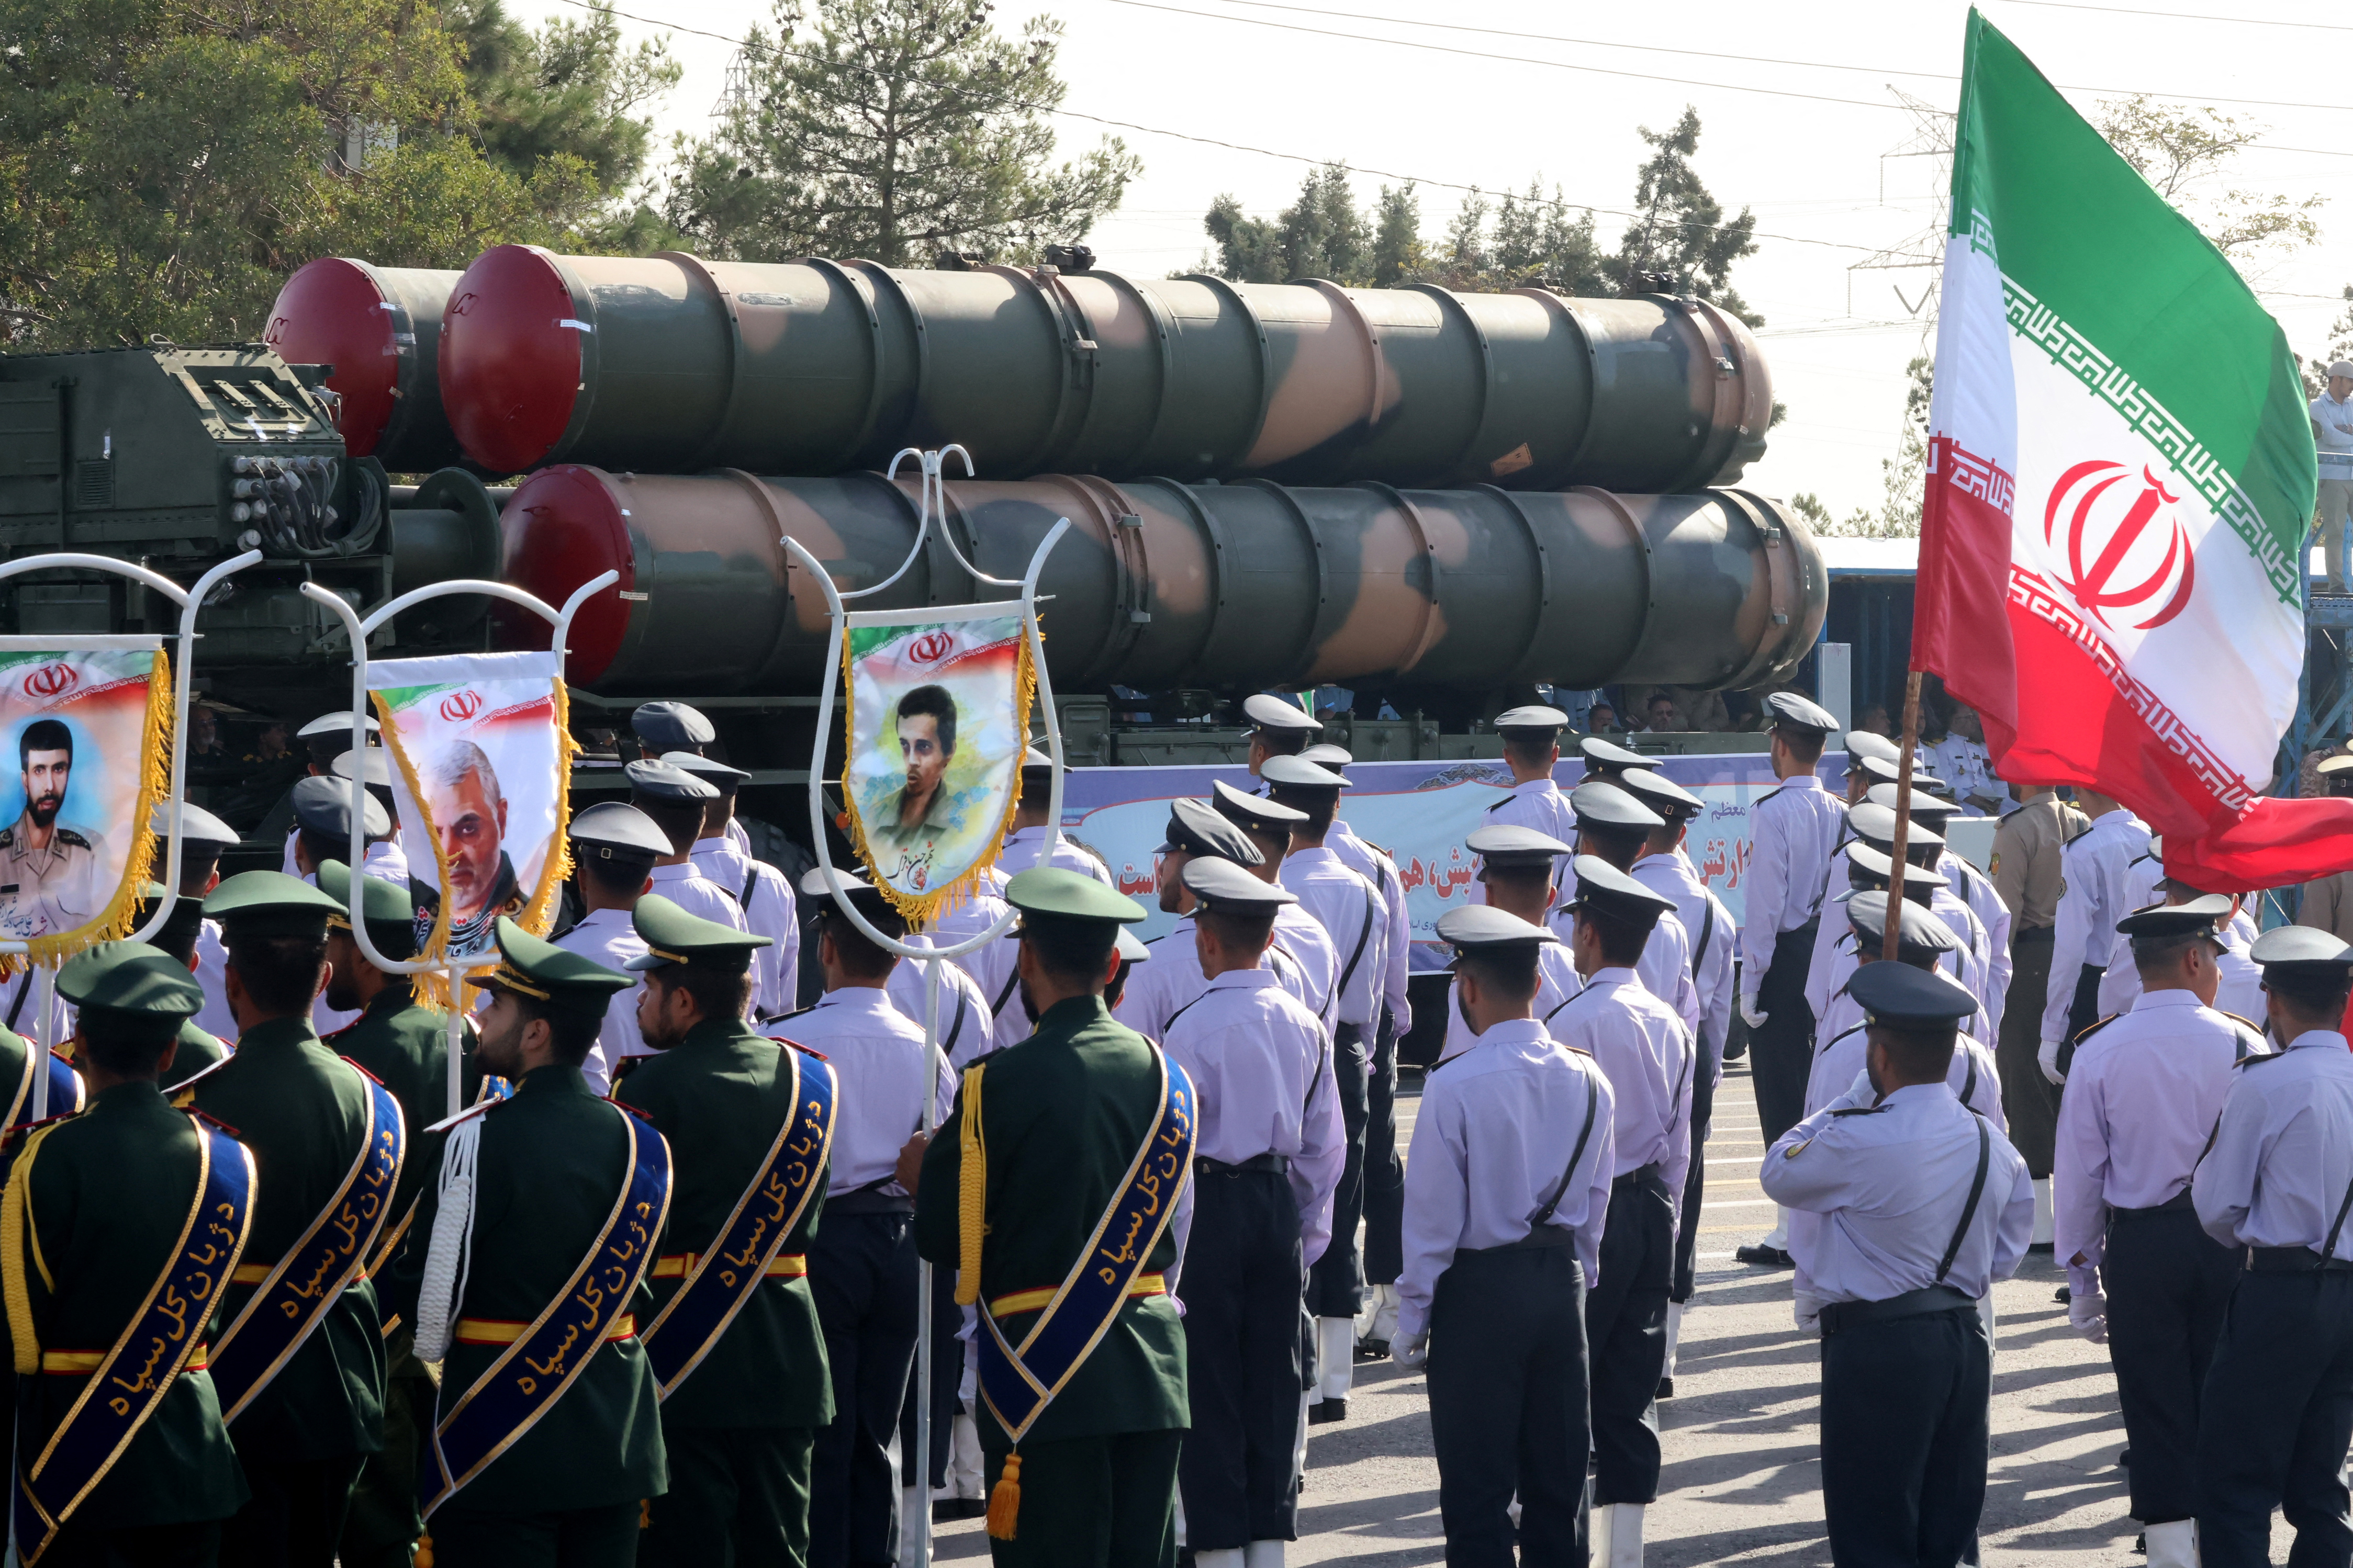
[339,1034]
[477,1109]
[1841,1035]
[215,1121]
[1860,1110]
[804,1050]
[1576,1051]
[8,835]
[623,1104]
[2248,1023]
[362,1071]
[2090,1029]
[67,836]
[627,1066]
[2257,1058]
[1444,1062]
[184,1093]
[1507,800]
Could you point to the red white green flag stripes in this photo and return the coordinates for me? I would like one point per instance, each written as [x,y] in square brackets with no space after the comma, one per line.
[2121,470]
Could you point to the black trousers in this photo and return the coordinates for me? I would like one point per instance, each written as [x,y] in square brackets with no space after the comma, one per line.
[1383,1169]
[1903,1439]
[1240,1290]
[948,1373]
[1781,1050]
[863,1272]
[738,1498]
[2275,1420]
[1626,1327]
[382,1523]
[603,1537]
[1686,1281]
[295,1515]
[88,1543]
[1335,1286]
[1089,1503]
[2028,1099]
[2168,1284]
[1507,1406]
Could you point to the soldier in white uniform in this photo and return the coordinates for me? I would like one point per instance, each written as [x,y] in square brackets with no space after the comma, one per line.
[1647,1052]
[1925,942]
[1923,1206]
[323,832]
[50,879]
[2239,991]
[1860,746]
[1973,888]
[324,739]
[2274,1187]
[1350,911]
[1155,994]
[1268,1153]
[1665,870]
[203,839]
[1516,875]
[1532,750]
[1028,838]
[1505,1195]
[1793,829]
[1870,872]
[386,860]
[863,1268]
[614,847]
[2098,873]
[663,727]
[1279,728]
[2143,1095]
[760,890]
[1301,943]
[675,800]
[1614,826]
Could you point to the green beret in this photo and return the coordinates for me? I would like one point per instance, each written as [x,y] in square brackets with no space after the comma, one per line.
[673,936]
[533,967]
[390,913]
[269,903]
[1068,895]
[132,979]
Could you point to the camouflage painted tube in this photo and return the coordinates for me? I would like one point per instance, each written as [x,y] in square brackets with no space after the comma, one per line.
[671,363]
[380,327]
[1164,585]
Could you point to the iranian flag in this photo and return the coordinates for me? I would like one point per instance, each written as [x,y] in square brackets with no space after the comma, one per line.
[2120,474]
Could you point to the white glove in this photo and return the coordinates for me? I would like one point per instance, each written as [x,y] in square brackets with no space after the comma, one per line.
[2048,1059]
[1412,1355]
[1809,1305]
[1749,1014]
[2089,1317]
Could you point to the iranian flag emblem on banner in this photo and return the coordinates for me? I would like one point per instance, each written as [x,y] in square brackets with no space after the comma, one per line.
[2121,473]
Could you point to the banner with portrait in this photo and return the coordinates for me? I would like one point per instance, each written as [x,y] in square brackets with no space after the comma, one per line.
[87,732]
[481,759]
[938,717]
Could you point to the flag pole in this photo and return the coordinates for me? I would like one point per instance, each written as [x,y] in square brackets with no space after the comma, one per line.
[1903,814]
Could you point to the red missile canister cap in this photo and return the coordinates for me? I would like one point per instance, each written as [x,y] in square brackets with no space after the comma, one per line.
[563,526]
[336,312]
[511,357]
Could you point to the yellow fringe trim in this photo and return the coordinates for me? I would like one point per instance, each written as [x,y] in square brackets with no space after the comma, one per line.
[972,1193]
[1005,1500]
[921,910]
[120,916]
[16,1232]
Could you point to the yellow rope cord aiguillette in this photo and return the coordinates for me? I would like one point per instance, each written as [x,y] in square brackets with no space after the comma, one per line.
[972,1193]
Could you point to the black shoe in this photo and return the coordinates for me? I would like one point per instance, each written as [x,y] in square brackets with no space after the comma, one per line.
[1372,1349]
[2038,1246]
[1328,1409]
[2062,1295]
[1763,1256]
[947,1511]
[1666,1388]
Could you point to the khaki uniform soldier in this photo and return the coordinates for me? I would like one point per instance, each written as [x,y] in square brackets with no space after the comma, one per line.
[2327,902]
[403,1045]
[48,867]
[110,1214]
[752,1123]
[2028,874]
[1036,1163]
[300,1370]
[546,1441]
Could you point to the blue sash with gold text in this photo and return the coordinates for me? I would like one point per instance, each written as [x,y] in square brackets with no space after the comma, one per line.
[1018,1381]
[724,1278]
[549,1354]
[292,1299]
[128,1384]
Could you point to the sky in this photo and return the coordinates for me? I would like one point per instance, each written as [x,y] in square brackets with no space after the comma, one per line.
[1798,112]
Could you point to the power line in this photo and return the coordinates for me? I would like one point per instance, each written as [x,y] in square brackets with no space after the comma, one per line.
[2183,16]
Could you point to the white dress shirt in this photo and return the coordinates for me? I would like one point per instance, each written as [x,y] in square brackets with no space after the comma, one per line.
[1541,804]
[1556,981]
[1976,889]
[1374,867]
[1492,1140]
[1836,959]
[385,859]
[1664,968]
[880,1077]
[1839,1062]
[1350,911]
[2097,870]
[697,894]
[1019,854]
[2142,1098]
[1793,829]
[610,937]
[1262,1071]
[2282,1160]
[1715,943]
[2241,993]
[1158,989]
[765,900]
[1647,1054]
[967,1030]
[1892,1183]
[992,965]
[212,973]
[1303,953]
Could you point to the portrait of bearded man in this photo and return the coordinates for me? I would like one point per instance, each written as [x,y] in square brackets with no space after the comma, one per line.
[50,877]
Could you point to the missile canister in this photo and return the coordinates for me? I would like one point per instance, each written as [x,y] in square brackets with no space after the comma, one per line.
[1162,585]
[380,327]
[671,363]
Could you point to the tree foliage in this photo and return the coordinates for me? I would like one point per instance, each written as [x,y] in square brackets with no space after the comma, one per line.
[2181,151]
[894,130]
[1682,239]
[166,163]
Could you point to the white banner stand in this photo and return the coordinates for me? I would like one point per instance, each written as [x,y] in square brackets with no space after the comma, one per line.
[916,1545]
[190,600]
[455,969]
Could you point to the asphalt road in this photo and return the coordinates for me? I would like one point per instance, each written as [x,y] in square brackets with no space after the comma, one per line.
[1742,1482]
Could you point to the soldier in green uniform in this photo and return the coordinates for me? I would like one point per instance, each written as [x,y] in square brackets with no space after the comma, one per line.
[1052,1127]
[740,1425]
[543,1452]
[96,1205]
[315,1409]
[405,1045]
